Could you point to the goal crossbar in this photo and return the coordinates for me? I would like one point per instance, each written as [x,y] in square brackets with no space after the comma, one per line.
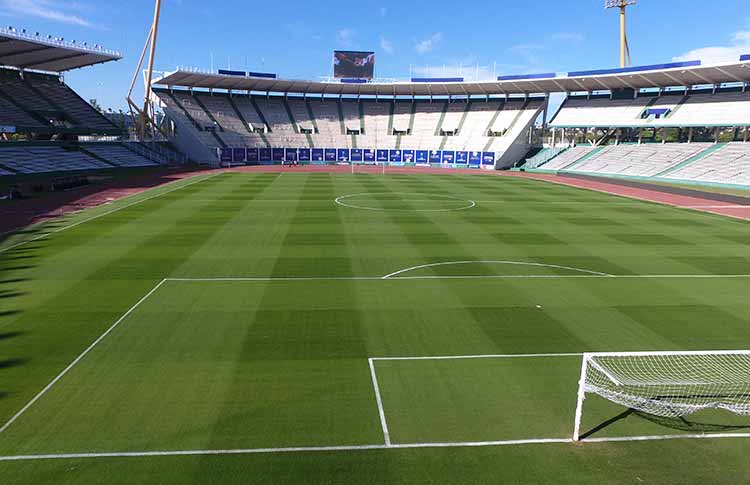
[668,384]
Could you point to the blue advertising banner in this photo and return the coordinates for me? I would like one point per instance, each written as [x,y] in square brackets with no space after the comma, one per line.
[318,155]
[252,155]
[303,154]
[475,158]
[290,155]
[449,156]
[381,155]
[368,155]
[394,156]
[436,156]
[462,157]
[488,158]
[356,154]
[226,155]
[265,154]
[408,156]
[342,155]
[330,154]
[423,156]
[277,154]
[239,155]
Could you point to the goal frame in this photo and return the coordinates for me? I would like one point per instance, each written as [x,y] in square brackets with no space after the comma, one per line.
[376,164]
[587,358]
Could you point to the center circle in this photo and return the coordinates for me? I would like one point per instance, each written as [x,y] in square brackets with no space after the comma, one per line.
[405,202]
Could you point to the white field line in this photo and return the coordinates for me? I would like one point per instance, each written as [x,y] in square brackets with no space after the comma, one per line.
[379,400]
[312,449]
[459,277]
[139,201]
[80,357]
[590,204]
[704,436]
[480,356]
[730,206]
[471,204]
[513,263]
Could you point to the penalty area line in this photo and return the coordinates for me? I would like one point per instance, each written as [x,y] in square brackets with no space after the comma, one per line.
[318,449]
[379,400]
[456,277]
[479,356]
[80,357]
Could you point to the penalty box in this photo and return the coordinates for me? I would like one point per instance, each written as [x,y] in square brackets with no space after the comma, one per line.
[519,399]
[256,363]
[206,366]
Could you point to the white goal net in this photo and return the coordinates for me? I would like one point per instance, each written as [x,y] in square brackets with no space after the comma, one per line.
[668,384]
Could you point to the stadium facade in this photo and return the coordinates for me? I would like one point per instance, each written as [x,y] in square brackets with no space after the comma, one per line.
[685,121]
[238,117]
[45,126]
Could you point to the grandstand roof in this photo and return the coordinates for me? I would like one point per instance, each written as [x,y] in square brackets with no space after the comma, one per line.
[23,50]
[664,75]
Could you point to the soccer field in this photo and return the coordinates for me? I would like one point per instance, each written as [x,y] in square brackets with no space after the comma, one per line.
[360,328]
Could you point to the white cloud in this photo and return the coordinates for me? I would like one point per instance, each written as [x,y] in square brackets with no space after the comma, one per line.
[54,10]
[345,37]
[566,37]
[386,45]
[429,44]
[739,44]
[468,68]
[529,53]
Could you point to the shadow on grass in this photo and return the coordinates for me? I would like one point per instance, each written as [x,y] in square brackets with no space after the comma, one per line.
[677,423]
[13,281]
[10,335]
[10,363]
[684,424]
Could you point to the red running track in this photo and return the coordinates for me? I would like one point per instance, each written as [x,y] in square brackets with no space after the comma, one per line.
[23,213]
[661,197]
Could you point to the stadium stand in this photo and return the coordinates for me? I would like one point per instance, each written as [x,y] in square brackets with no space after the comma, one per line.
[119,155]
[43,122]
[729,164]
[40,159]
[29,157]
[81,114]
[45,104]
[378,119]
[352,118]
[568,157]
[676,109]
[296,122]
[330,131]
[613,120]
[281,131]
[646,160]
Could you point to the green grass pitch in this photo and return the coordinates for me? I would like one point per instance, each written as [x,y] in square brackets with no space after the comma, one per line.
[244,319]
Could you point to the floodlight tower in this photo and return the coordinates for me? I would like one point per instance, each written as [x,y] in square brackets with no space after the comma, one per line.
[624,47]
[146,113]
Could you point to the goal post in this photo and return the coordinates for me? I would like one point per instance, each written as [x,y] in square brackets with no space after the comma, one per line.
[667,384]
[372,168]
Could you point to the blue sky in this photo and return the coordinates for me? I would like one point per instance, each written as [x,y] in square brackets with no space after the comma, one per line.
[296,38]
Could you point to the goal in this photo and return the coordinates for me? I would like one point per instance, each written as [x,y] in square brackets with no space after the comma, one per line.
[667,384]
[370,167]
